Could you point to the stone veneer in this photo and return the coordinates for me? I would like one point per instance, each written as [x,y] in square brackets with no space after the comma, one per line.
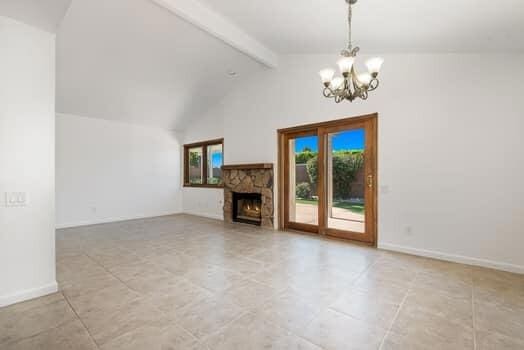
[249,180]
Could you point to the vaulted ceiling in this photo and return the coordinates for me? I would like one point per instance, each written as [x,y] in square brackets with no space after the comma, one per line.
[381,26]
[133,60]
[163,62]
[43,14]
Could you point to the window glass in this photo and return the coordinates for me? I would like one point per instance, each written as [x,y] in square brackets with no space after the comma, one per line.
[195,165]
[214,164]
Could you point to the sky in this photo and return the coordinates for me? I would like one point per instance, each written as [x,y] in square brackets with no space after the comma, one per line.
[217,159]
[346,140]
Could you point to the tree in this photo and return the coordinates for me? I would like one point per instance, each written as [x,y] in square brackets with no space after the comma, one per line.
[194,159]
[346,164]
[304,156]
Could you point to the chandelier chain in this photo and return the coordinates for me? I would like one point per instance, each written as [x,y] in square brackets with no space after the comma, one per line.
[350,17]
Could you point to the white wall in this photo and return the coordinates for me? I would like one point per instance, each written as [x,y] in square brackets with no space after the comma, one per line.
[27,97]
[451,151]
[110,171]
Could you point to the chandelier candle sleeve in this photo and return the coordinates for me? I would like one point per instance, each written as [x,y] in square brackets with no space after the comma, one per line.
[327,76]
[345,64]
[351,85]
[374,64]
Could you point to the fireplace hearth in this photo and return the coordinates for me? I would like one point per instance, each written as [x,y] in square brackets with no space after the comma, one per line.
[247,208]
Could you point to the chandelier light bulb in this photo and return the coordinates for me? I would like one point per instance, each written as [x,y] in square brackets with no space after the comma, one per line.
[345,64]
[337,83]
[364,79]
[326,75]
[374,64]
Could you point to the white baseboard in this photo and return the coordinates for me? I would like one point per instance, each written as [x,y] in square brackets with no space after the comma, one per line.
[205,215]
[6,300]
[453,258]
[109,220]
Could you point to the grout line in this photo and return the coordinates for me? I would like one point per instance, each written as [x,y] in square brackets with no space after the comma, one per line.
[401,305]
[109,272]
[81,321]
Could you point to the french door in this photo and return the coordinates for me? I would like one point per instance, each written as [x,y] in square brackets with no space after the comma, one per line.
[328,178]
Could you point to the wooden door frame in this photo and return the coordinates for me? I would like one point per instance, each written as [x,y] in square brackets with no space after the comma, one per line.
[371,146]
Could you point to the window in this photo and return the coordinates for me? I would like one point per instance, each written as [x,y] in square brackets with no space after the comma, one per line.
[203,163]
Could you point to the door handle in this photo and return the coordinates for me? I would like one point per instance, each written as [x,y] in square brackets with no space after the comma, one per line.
[370,181]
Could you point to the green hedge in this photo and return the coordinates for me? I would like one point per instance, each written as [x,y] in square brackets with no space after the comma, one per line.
[346,164]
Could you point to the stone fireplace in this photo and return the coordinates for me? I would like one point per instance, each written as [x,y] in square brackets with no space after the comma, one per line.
[248,194]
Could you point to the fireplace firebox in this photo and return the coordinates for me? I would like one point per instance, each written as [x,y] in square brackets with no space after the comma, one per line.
[247,208]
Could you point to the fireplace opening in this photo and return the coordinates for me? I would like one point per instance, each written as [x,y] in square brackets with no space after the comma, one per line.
[247,208]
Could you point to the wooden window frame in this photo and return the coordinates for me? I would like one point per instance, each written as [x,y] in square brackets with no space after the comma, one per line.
[204,145]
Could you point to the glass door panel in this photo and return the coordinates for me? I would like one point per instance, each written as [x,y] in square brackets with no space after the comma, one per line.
[302,180]
[346,180]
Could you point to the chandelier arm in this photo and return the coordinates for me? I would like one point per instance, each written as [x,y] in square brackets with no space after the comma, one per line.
[374,84]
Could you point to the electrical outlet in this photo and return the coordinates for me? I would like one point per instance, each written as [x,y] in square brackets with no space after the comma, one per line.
[15,199]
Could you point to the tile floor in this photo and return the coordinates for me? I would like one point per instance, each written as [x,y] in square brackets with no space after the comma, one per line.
[182,282]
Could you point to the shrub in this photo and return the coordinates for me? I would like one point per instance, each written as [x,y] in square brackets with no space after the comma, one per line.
[346,164]
[303,191]
[304,156]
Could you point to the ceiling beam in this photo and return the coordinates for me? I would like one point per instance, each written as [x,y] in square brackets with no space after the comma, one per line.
[218,26]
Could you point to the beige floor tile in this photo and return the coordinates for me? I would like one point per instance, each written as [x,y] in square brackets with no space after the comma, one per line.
[420,339]
[207,316]
[290,311]
[112,257]
[498,287]
[71,336]
[320,292]
[136,269]
[156,281]
[252,331]
[449,284]
[155,338]
[334,331]
[502,319]
[177,263]
[105,299]
[374,307]
[455,310]
[77,267]
[432,320]
[177,295]
[88,285]
[242,265]
[28,319]
[249,294]
[496,341]
[273,276]
[214,278]
[105,325]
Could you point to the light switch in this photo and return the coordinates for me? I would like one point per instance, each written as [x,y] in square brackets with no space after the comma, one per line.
[15,199]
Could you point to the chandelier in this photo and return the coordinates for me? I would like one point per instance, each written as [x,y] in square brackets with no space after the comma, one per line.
[351,84]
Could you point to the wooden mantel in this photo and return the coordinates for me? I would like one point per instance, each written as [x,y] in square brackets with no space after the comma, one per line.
[248,166]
